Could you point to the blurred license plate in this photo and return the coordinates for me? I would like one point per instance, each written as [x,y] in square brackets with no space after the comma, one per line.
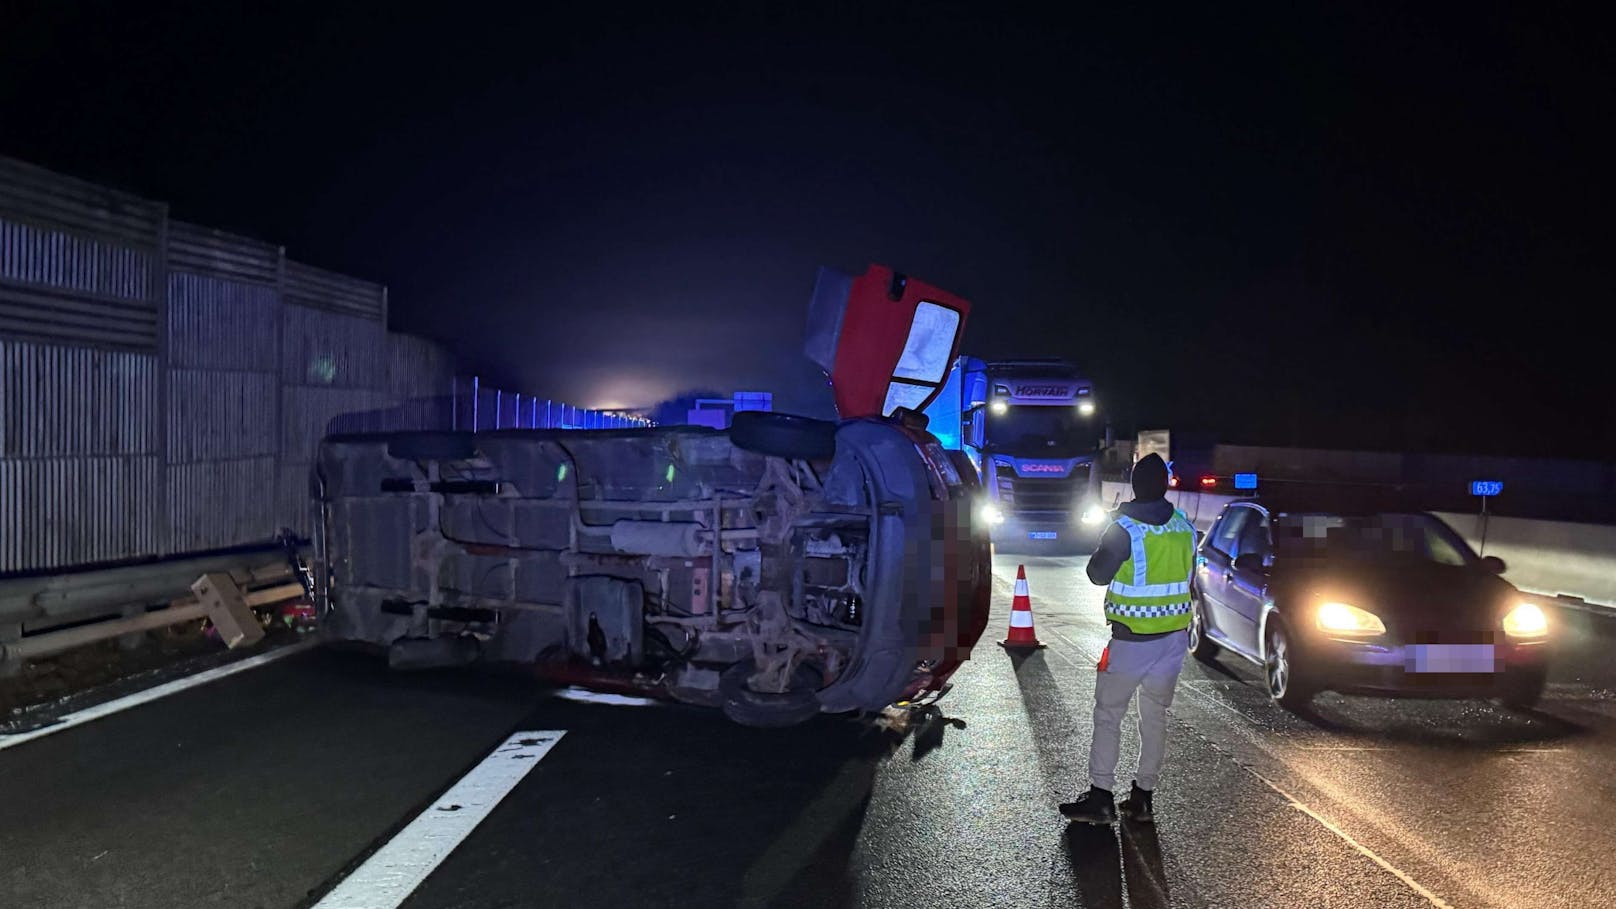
[1452,658]
[1042,535]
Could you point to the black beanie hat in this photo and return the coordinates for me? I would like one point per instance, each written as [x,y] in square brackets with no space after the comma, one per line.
[1150,478]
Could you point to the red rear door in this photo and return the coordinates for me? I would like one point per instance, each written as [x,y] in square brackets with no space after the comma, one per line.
[886,340]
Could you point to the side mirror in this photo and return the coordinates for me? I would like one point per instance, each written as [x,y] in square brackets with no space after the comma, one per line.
[1251,562]
[1492,565]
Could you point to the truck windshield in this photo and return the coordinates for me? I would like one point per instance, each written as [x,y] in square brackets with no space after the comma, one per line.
[1039,431]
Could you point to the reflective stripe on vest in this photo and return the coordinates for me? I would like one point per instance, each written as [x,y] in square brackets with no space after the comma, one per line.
[1151,591]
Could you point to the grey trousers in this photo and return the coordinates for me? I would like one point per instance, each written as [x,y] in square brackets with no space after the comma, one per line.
[1151,668]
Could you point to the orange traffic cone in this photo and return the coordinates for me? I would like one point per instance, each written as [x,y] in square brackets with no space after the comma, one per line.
[1022,637]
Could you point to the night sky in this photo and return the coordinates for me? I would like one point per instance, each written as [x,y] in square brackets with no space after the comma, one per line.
[1377,229]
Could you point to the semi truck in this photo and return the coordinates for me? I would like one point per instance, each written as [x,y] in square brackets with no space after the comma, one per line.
[1032,430]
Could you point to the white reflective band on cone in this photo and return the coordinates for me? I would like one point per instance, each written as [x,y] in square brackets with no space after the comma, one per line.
[1021,587]
[1021,618]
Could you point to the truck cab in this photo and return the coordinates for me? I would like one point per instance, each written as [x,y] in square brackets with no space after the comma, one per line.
[1032,430]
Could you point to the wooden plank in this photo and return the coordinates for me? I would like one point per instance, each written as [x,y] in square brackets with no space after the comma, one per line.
[274,594]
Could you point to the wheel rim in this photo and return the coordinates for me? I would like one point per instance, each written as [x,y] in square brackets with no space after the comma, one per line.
[1278,663]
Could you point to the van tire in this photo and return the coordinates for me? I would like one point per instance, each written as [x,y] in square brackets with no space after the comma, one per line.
[783,435]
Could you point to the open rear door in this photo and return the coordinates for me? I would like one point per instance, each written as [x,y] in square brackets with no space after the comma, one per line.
[886,340]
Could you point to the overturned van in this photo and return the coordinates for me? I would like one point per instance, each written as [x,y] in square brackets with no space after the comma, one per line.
[778,569]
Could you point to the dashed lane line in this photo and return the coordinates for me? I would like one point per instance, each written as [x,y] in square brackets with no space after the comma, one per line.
[91,714]
[395,870]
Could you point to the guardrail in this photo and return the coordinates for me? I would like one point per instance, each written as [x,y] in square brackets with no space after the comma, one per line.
[46,614]
[1574,564]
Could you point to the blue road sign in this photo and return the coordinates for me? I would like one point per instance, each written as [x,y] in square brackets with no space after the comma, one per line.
[1245,481]
[1486,488]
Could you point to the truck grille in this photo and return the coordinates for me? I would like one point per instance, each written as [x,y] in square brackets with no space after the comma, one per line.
[1041,494]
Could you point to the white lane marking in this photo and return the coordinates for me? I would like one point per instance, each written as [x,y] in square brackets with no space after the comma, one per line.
[1368,853]
[91,714]
[585,696]
[393,872]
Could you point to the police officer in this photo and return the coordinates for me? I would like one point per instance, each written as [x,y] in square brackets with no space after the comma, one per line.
[1144,561]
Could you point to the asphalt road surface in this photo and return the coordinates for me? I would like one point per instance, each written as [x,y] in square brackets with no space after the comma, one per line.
[269,787]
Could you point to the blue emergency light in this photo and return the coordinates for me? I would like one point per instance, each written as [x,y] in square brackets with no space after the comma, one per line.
[1245,481]
[1486,488]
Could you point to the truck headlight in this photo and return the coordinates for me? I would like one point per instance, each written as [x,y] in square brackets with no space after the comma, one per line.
[991,514]
[1093,514]
[1345,618]
[998,408]
[1526,621]
[1086,408]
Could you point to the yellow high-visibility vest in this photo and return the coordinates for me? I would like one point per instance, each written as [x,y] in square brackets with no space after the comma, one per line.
[1151,591]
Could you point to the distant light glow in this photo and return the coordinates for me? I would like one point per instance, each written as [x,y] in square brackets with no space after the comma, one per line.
[1209,481]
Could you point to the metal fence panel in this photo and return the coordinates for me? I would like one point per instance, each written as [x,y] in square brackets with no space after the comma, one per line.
[220,415]
[307,414]
[198,249]
[218,324]
[76,401]
[213,504]
[39,196]
[57,512]
[326,349]
[320,289]
[417,368]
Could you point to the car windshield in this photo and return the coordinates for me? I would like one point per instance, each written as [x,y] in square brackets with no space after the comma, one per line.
[1039,431]
[1378,537]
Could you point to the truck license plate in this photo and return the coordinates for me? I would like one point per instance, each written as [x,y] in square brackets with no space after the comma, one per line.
[1043,535]
[1452,658]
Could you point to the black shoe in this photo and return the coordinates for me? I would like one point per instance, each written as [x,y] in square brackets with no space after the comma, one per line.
[1137,806]
[1092,807]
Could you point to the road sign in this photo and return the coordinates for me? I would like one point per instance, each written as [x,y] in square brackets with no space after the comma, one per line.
[1245,481]
[1485,488]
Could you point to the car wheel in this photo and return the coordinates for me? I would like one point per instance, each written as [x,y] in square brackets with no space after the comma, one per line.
[766,709]
[1287,684]
[1200,646]
[1523,688]
[783,435]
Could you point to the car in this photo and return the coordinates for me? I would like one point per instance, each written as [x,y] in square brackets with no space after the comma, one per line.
[1362,598]
[778,569]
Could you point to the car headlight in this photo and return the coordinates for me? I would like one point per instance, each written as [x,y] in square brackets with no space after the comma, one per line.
[1093,514]
[992,515]
[1345,618]
[1526,621]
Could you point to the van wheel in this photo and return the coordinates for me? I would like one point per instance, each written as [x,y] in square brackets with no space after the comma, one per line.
[783,435]
[431,446]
